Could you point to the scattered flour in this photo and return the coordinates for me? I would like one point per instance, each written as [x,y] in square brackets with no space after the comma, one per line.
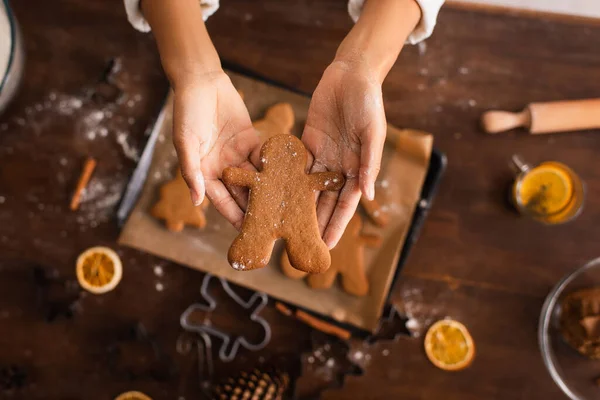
[129,151]
[238,266]
[418,310]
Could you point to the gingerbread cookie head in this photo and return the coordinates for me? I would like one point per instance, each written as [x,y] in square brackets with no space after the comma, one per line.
[281,205]
[278,119]
[176,208]
[283,150]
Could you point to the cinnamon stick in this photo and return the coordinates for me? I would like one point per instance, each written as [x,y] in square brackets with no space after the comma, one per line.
[84,178]
[282,308]
[322,326]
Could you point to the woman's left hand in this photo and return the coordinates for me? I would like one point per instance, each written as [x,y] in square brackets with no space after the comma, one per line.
[345,131]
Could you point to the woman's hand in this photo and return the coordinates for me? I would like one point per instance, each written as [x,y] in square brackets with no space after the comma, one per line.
[211,131]
[345,131]
[346,125]
[211,125]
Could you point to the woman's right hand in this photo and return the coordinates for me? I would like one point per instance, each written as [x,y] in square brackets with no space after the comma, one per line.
[211,126]
[211,131]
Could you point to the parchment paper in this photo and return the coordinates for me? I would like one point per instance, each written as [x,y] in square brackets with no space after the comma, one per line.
[405,163]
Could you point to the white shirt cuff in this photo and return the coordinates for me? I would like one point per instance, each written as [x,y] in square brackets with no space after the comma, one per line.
[136,18]
[429,13]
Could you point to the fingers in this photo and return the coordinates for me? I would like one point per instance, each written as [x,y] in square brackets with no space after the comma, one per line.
[188,152]
[325,201]
[188,134]
[343,212]
[222,200]
[370,160]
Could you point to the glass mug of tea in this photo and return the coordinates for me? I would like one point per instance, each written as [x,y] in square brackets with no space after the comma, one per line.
[549,192]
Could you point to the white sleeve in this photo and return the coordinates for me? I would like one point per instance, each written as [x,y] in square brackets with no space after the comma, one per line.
[136,18]
[429,12]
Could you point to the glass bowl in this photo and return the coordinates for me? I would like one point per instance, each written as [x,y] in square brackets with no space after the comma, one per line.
[572,372]
[12,55]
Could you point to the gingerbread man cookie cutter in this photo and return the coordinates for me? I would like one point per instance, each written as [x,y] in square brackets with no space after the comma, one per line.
[229,344]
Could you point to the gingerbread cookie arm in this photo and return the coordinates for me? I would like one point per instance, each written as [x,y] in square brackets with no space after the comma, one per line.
[327,180]
[374,211]
[239,177]
[371,240]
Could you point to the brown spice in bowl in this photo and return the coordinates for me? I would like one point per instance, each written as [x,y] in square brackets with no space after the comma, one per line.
[580,321]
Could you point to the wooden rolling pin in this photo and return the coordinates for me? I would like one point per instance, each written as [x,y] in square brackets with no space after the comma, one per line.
[558,116]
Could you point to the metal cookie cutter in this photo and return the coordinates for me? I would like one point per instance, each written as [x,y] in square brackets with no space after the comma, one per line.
[230,345]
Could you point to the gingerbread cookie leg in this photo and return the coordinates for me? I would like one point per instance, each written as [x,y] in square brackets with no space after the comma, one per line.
[354,280]
[307,254]
[288,270]
[250,251]
[323,280]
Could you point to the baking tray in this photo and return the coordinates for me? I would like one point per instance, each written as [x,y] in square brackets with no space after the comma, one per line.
[435,172]
[423,200]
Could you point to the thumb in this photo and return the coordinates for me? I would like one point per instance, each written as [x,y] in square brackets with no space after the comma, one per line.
[191,146]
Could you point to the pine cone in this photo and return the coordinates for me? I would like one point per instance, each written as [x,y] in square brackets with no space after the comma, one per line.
[265,384]
[12,377]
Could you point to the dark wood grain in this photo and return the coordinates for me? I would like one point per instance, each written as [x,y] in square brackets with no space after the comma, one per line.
[476,259]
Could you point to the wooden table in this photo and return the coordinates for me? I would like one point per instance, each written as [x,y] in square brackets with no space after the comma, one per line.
[476,260]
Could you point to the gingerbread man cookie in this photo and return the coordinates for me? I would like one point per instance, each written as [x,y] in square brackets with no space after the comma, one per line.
[347,260]
[176,208]
[281,205]
[277,120]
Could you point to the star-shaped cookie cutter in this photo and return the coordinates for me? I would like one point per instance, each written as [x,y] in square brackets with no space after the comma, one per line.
[256,303]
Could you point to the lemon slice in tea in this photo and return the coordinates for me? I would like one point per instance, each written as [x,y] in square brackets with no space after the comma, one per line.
[99,270]
[545,190]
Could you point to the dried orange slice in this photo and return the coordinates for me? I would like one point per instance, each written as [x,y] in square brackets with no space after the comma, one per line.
[99,270]
[133,395]
[449,345]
